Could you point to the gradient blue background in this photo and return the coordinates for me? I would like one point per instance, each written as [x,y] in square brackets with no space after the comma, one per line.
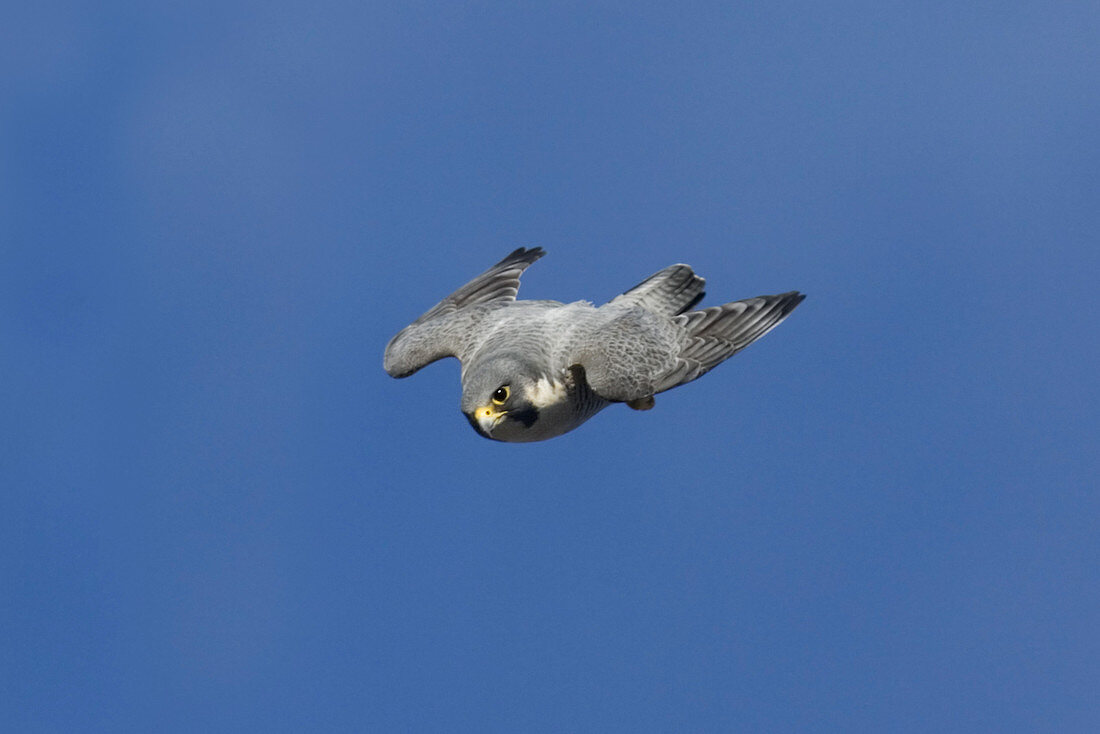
[220,515]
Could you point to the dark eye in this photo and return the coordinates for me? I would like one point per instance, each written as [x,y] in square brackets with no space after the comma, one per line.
[500,394]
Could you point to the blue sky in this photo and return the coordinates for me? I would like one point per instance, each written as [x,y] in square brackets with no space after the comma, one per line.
[219,513]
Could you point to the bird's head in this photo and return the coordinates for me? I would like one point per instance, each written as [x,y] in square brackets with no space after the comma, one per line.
[500,399]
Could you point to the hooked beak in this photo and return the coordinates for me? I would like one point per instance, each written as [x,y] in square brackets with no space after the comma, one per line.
[485,419]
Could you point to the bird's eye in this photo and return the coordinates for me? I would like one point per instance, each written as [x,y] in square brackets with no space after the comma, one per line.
[500,394]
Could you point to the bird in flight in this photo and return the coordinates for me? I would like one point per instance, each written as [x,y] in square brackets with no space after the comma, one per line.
[532,370]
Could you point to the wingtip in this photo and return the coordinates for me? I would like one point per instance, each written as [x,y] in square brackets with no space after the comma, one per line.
[792,299]
[525,255]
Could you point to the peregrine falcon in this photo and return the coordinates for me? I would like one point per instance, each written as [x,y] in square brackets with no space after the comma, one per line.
[532,370]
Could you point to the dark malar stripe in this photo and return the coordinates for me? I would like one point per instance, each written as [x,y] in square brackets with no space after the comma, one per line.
[527,416]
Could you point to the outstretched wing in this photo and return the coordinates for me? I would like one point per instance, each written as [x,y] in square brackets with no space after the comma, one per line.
[446,330]
[719,332]
[632,358]
[670,291]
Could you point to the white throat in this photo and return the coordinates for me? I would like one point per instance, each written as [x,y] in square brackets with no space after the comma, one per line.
[546,392]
